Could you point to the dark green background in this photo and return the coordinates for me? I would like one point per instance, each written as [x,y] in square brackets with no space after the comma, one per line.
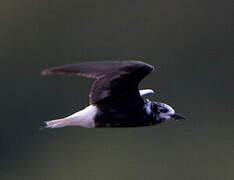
[191,44]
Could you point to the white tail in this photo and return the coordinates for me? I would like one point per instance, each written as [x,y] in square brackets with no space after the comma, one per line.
[83,118]
[58,123]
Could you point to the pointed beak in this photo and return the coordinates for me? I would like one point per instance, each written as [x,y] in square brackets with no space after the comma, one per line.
[177,116]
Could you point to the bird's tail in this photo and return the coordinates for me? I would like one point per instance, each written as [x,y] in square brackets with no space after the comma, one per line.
[58,123]
[83,118]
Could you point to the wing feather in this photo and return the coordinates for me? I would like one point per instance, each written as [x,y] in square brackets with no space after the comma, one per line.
[114,78]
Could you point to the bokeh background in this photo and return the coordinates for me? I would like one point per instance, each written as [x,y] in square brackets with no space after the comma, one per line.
[191,44]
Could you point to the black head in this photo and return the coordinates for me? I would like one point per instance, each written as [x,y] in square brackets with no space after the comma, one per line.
[165,112]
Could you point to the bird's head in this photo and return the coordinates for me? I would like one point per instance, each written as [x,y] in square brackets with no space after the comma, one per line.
[165,112]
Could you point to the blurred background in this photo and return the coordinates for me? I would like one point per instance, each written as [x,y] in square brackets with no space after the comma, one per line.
[191,44]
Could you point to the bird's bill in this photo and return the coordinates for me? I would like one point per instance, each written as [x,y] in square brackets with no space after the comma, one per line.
[177,116]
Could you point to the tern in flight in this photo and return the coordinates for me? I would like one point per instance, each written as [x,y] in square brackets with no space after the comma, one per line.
[115,100]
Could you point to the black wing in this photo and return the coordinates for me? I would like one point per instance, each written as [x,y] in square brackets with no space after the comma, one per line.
[118,79]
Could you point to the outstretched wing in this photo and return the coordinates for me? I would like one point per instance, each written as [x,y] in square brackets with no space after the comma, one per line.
[114,78]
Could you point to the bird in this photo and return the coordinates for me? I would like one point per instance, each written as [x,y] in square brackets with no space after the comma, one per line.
[115,100]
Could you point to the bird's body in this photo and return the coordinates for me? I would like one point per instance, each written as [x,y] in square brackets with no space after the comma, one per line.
[115,100]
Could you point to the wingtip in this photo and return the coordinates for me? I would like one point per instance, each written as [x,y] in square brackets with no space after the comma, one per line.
[152,68]
[45,72]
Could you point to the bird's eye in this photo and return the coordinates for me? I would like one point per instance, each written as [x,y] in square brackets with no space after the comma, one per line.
[163,110]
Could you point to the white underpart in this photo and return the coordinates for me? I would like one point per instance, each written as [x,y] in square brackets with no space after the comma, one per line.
[145,92]
[83,118]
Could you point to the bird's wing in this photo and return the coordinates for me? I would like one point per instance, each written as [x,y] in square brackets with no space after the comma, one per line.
[114,78]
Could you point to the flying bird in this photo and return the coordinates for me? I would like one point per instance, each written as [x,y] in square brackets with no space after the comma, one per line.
[115,100]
